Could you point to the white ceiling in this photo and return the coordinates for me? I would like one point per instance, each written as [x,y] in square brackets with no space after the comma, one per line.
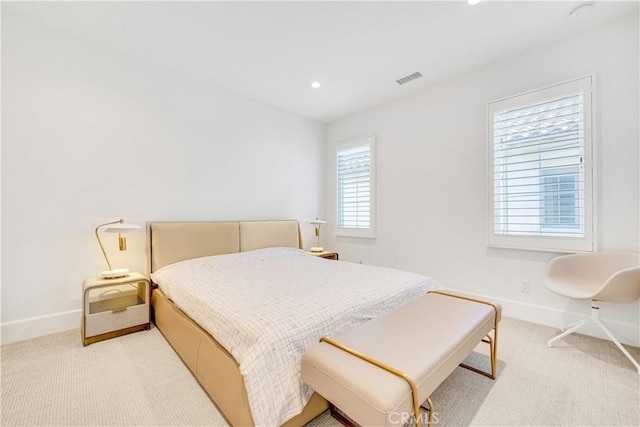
[272,51]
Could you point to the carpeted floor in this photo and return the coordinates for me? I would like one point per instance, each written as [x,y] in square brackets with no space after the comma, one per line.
[138,380]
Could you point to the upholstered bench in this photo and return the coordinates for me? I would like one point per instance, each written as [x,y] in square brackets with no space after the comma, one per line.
[380,372]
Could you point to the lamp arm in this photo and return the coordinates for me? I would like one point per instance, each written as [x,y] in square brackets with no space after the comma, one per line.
[100,242]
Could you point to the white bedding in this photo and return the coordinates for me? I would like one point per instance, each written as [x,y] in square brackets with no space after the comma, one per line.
[266,307]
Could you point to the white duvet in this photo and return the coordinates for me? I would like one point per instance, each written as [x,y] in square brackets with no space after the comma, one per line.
[266,307]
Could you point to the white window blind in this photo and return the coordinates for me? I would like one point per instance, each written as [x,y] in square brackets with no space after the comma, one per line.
[355,173]
[540,146]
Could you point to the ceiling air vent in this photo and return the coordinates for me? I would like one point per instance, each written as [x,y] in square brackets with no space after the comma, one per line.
[407,79]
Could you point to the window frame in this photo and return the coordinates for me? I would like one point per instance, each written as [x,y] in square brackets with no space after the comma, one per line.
[587,243]
[367,233]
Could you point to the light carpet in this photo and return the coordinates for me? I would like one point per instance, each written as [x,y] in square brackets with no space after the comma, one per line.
[138,380]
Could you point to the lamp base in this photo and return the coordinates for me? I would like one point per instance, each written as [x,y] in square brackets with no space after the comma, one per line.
[316,249]
[115,273]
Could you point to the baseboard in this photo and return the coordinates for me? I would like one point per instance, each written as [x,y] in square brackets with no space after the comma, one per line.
[625,332]
[25,329]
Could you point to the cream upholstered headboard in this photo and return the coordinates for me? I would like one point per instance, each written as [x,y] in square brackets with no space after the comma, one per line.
[169,242]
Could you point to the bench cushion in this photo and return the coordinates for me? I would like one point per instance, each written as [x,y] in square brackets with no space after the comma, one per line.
[426,339]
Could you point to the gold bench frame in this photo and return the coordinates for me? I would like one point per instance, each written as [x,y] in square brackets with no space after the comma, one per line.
[493,349]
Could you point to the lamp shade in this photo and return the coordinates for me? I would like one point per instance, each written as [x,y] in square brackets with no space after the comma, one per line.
[120,227]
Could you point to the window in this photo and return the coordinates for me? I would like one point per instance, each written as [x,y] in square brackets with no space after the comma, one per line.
[540,171]
[355,197]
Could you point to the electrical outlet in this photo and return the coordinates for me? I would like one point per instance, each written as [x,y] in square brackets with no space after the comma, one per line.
[525,286]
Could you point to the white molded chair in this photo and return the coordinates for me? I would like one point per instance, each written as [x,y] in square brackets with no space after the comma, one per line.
[599,276]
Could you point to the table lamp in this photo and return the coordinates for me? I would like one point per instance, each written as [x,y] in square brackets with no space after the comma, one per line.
[317,222]
[119,227]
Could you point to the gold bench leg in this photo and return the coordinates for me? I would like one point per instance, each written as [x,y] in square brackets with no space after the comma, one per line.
[429,412]
[492,351]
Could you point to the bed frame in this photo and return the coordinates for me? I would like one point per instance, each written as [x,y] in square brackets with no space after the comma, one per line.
[212,365]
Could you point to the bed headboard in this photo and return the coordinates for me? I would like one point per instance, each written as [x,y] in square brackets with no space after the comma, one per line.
[169,242]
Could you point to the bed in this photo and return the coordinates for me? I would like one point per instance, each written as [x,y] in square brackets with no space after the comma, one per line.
[183,256]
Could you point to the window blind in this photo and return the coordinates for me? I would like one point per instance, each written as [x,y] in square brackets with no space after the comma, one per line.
[354,187]
[538,169]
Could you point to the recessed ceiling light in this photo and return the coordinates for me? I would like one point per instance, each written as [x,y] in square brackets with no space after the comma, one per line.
[315,85]
[473,2]
[581,10]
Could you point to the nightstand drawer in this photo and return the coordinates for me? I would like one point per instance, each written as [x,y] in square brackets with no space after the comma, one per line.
[121,318]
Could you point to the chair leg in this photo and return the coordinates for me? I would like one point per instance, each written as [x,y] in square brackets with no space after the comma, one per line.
[595,318]
[571,325]
[619,345]
[574,327]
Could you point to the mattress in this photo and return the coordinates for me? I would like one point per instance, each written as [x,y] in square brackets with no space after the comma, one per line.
[267,306]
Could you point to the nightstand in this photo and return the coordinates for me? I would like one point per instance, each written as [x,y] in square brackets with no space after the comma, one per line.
[325,254]
[114,307]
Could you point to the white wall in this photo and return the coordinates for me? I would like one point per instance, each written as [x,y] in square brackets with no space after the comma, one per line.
[89,136]
[432,175]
